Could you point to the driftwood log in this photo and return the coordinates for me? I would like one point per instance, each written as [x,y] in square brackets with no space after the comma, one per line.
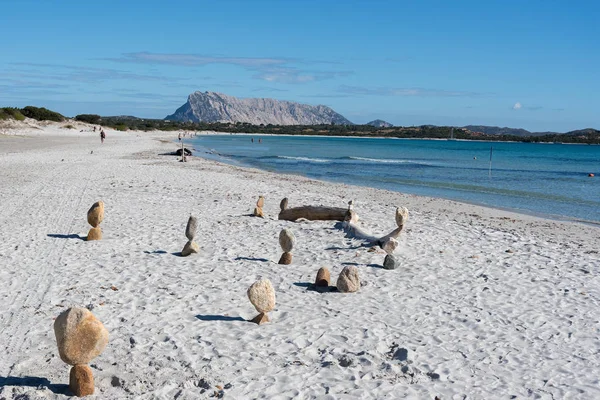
[349,220]
[352,229]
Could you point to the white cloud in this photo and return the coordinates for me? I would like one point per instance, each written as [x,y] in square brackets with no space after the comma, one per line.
[517,106]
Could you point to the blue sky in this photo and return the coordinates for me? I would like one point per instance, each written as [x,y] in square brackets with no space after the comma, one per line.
[530,64]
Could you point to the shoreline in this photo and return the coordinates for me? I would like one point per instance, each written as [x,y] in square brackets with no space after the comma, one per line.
[548,216]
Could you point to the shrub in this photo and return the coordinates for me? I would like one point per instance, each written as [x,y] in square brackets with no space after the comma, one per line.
[42,114]
[120,127]
[10,112]
[69,126]
[89,118]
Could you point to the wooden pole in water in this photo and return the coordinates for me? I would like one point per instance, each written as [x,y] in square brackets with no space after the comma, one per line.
[490,170]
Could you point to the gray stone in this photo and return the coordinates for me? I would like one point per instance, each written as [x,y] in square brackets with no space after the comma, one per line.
[287,240]
[189,248]
[348,280]
[390,262]
[191,228]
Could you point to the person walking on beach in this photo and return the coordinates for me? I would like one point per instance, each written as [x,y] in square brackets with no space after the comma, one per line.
[102,136]
[180,136]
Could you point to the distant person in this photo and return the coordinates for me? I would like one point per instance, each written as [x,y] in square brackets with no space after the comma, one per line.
[252,140]
[94,129]
[102,136]
[180,136]
[259,140]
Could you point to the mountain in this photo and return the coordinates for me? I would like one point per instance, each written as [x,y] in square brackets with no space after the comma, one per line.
[218,107]
[378,123]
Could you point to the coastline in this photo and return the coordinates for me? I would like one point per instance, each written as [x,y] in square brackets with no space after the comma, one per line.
[230,161]
[486,303]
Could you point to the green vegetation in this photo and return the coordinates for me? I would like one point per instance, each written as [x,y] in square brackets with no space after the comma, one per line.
[69,126]
[89,118]
[9,112]
[42,114]
[37,113]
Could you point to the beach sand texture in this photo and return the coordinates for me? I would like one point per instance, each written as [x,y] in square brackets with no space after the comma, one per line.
[485,303]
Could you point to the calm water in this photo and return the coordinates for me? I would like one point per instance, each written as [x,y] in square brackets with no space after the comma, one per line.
[549,179]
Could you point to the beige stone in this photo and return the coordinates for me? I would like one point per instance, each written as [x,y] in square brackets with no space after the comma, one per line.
[80,336]
[81,381]
[190,247]
[262,296]
[390,245]
[261,202]
[284,203]
[94,234]
[348,281]
[401,216]
[191,228]
[95,214]
[287,240]
[258,212]
[260,319]
[286,258]
[323,277]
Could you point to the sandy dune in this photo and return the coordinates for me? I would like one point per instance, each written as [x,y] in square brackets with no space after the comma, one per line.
[487,304]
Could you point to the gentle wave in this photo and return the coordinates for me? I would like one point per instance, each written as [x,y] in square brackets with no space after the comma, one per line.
[307,159]
[393,161]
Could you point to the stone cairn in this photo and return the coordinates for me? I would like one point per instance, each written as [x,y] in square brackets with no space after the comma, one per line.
[262,297]
[286,241]
[190,232]
[390,261]
[80,337]
[348,280]
[95,215]
[258,211]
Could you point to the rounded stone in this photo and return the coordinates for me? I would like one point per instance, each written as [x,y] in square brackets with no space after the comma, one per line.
[81,381]
[390,245]
[323,277]
[287,240]
[286,259]
[401,216]
[390,262]
[191,228]
[190,247]
[261,202]
[80,336]
[348,280]
[262,296]
[284,203]
[95,214]
[94,234]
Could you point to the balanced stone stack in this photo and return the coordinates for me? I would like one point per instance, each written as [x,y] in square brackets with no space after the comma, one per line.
[390,261]
[190,232]
[262,297]
[286,241]
[258,211]
[348,280]
[80,337]
[95,215]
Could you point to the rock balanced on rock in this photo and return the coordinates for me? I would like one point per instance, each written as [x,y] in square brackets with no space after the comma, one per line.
[390,261]
[95,216]
[348,280]
[262,297]
[190,232]
[80,338]
[258,211]
[286,241]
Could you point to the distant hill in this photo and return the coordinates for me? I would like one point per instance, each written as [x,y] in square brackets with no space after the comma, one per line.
[496,130]
[378,123]
[219,107]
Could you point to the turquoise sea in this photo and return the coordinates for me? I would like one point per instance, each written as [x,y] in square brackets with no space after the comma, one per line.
[547,179]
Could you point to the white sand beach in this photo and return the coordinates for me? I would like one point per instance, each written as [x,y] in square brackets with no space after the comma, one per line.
[486,304]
